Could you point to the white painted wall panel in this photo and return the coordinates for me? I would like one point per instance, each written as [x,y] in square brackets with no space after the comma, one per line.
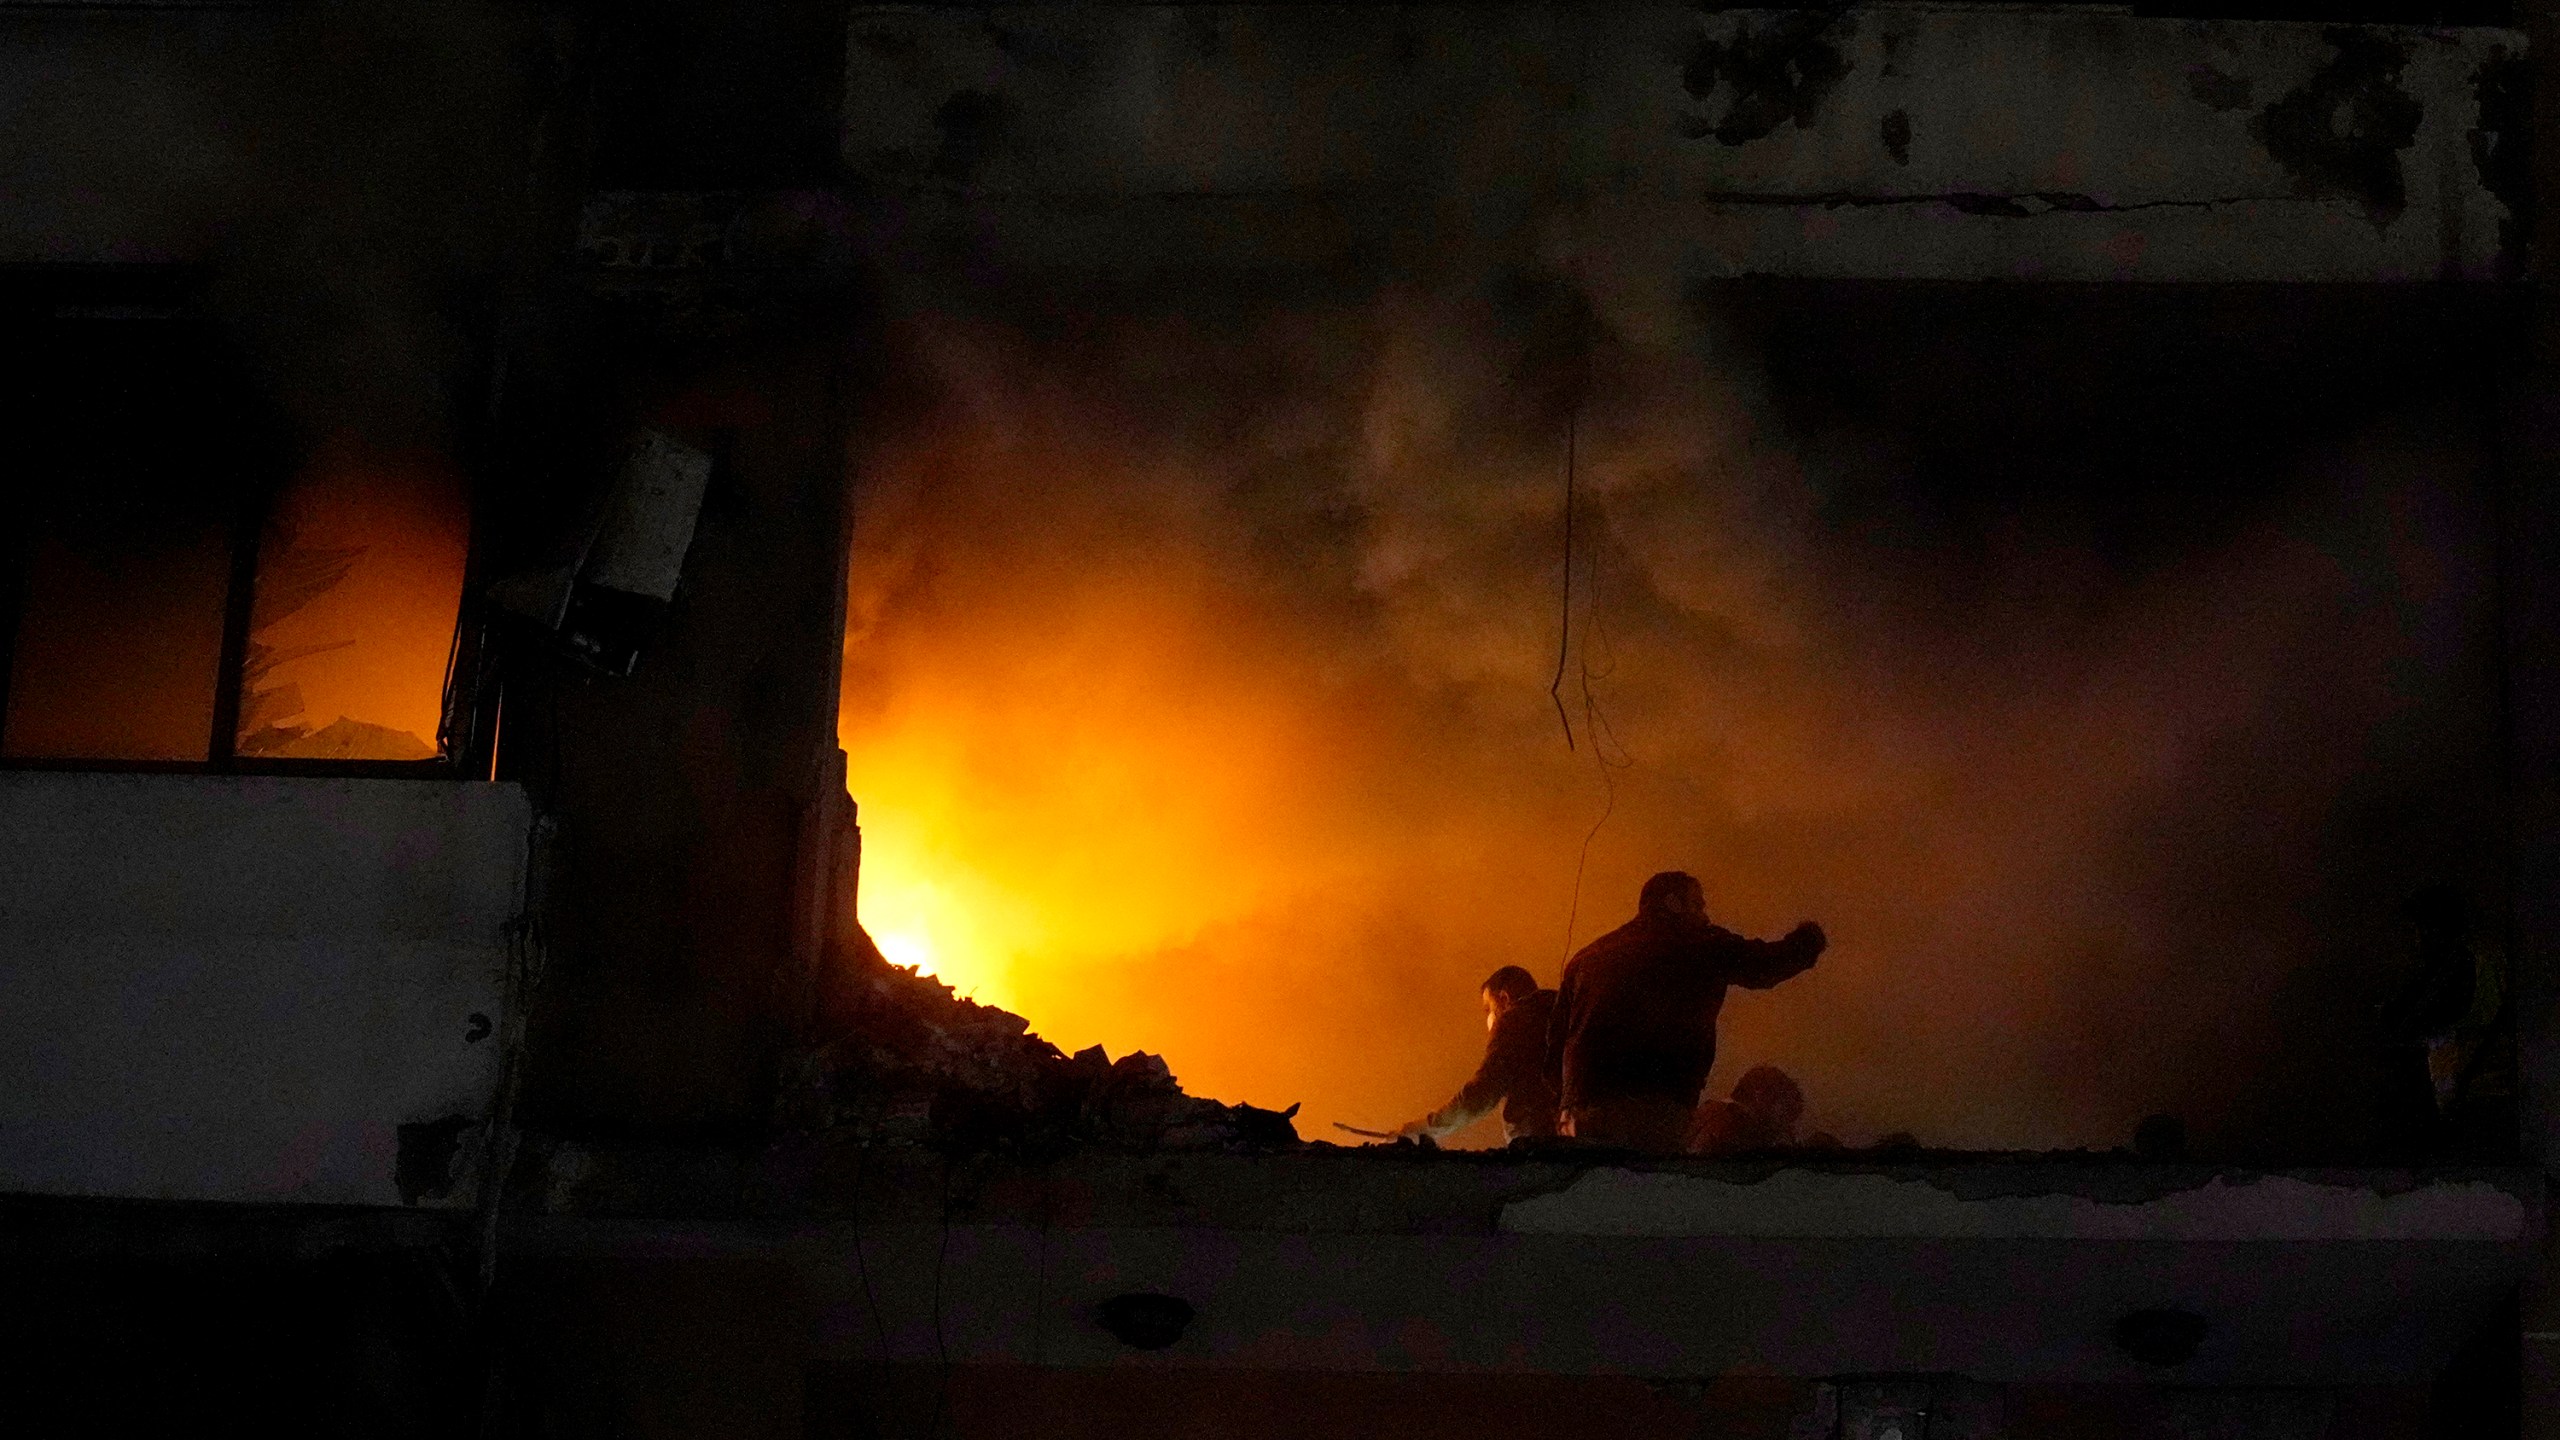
[238,988]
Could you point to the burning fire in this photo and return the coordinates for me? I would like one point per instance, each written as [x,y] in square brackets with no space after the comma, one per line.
[357,582]
[1207,713]
[1115,781]
[359,579]
[1069,783]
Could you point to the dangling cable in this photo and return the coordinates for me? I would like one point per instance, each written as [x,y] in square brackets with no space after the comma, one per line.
[1595,723]
[1564,623]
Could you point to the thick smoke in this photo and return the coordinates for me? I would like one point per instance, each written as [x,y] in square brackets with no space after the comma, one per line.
[1198,694]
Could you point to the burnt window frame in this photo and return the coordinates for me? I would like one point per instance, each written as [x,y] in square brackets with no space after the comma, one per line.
[145,294]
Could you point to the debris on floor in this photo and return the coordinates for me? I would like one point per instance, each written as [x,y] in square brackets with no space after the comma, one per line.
[907,1059]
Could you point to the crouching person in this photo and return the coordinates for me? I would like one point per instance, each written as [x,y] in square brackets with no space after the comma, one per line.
[1513,1073]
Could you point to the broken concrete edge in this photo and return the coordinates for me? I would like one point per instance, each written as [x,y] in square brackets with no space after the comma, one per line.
[575,1195]
[820,1181]
[1803,1205]
[915,1104]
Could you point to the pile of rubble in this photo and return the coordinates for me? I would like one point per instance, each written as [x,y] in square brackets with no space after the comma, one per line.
[906,1059]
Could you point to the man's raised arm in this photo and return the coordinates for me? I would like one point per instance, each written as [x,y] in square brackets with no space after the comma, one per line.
[1759,964]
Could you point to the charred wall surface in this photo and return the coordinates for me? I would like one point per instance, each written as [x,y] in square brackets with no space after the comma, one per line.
[1907,142]
[526,240]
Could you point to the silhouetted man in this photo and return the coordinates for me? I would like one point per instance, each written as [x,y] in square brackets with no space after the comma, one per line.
[1635,1025]
[1513,1074]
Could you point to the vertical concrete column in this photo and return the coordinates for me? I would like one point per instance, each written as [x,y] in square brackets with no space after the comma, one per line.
[698,797]
[2530,573]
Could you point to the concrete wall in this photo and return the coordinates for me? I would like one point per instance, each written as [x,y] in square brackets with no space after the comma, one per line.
[2007,1271]
[994,1401]
[679,916]
[1997,1309]
[243,988]
[372,194]
[76,187]
[1885,141]
[2532,535]
[339,142]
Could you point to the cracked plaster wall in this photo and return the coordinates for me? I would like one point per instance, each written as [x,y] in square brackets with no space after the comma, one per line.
[1884,141]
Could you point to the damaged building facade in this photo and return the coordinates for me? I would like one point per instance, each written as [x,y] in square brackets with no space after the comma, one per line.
[435,997]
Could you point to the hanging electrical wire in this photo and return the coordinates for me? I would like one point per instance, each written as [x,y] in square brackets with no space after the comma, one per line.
[1595,724]
[1595,720]
[1564,622]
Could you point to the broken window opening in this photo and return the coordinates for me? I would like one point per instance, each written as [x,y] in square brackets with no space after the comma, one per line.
[351,623]
[172,599]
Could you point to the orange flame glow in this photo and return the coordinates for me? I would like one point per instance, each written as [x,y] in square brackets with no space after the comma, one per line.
[1207,714]
[359,580]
